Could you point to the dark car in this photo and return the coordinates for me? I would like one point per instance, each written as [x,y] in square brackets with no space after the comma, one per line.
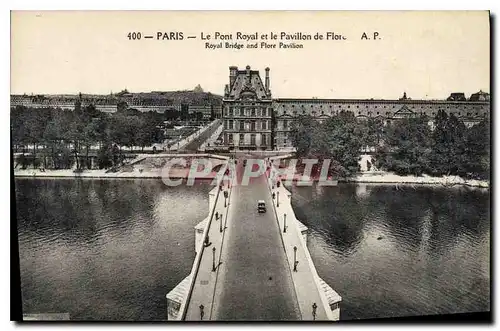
[261,206]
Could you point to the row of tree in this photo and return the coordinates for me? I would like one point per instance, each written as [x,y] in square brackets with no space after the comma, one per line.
[450,148]
[67,137]
[405,146]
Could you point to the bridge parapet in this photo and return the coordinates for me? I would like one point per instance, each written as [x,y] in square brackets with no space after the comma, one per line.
[197,289]
[309,287]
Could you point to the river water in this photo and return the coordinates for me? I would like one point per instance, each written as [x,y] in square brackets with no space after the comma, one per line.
[112,249]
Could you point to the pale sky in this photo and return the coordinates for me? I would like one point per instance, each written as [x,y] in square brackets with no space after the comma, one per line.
[427,54]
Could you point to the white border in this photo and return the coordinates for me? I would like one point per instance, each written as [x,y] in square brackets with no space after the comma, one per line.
[189,5]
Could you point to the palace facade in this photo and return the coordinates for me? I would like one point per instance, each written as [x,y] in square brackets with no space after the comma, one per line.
[248,110]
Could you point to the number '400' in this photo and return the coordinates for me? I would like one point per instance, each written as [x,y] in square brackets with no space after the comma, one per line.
[134,36]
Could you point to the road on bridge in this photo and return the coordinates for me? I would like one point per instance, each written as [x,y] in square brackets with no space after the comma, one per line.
[254,281]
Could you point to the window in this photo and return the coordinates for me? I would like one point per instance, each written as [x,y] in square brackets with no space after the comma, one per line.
[231,124]
[252,139]
[242,111]
[264,125]
[285,124]
[253,111]
[263,140]
[225,124]
[242,125]
[242,138]
[230,136]
[252,126]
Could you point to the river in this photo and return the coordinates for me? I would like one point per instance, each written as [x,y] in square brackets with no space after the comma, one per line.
[112,249]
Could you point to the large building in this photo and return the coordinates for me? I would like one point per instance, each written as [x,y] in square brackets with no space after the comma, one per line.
[150,101]
[248,107]
[247,110]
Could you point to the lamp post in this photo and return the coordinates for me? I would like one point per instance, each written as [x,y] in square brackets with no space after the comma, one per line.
[284,223]
[295,262]
[202,312]
[213,261]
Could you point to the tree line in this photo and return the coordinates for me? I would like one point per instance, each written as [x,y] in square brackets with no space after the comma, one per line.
[408,146]
[60,138]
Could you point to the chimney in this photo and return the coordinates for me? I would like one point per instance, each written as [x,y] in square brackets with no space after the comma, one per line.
[232,75]
[267,80]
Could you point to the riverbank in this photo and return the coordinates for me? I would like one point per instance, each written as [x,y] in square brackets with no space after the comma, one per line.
[391,178]
[102,174]
[374,177]
[381,177]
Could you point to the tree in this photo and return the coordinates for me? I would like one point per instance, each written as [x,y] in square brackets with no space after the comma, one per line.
[338,139]
[448,145]
[198,116]
[476,157]
[301,135]
[406,147]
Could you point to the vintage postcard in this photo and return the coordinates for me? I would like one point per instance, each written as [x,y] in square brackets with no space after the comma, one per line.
[251,165]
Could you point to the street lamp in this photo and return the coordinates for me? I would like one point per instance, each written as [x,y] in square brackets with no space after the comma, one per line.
[202,312]
[295,262]
[213,261]
[284,222]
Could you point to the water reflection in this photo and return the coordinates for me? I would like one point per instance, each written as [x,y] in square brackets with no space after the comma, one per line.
[105,249]
[112,249]
[400,250]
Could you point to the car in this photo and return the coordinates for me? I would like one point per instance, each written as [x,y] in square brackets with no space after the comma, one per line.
[261,206]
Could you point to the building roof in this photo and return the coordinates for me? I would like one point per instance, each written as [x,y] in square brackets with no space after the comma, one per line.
[247,84]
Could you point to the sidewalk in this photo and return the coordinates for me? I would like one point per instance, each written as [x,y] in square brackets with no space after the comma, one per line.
[305,279]
[179,145]
[206,279]
[211,140]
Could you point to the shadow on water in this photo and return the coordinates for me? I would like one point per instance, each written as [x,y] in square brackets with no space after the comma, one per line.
[399,251]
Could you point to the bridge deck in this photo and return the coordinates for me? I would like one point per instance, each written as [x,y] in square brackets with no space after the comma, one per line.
[254,281]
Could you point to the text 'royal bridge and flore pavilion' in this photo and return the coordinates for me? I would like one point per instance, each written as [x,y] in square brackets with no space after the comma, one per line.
[253,120]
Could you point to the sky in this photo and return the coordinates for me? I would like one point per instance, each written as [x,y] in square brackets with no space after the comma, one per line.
[428,55]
